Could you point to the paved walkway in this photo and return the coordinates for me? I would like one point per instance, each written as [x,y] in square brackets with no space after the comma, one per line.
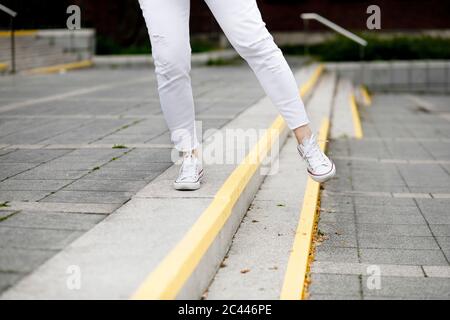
[256,265]
[75,147]
[387,212]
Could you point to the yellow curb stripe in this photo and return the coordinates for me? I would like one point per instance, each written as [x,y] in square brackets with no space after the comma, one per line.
[170,276]
[306,88]
[18,33]
[366,96]
[166,281]
[297,268]
[61,67]
[356,118]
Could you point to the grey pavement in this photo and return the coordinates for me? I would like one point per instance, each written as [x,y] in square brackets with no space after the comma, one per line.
[256,263]
[77,146]
[387,211]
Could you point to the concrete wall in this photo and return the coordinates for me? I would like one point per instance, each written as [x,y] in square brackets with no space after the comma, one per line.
[78,42]
[418,76]
[48,47]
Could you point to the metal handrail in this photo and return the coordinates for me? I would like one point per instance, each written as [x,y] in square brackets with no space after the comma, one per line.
[12,15]
[363,43]
[334,26]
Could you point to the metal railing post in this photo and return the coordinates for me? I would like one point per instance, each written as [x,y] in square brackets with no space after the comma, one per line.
[306,47]
[361,62]
[13,47]
[447,81]
[12,14]
[340,30]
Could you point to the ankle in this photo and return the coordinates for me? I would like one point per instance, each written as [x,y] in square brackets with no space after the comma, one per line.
[192,153]
[303,133]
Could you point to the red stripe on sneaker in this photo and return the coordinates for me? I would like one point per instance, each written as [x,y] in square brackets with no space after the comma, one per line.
[323,174]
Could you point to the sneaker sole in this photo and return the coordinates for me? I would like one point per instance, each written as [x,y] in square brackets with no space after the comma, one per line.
[325,177]
[188,186]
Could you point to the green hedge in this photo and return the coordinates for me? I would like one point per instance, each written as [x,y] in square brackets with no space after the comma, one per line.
[106,46]
[378,48]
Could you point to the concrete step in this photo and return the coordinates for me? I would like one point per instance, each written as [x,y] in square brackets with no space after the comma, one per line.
[146,60]
[342,118]
[3,68]
[42,61]
[164,244]
[255,266]
[46,47]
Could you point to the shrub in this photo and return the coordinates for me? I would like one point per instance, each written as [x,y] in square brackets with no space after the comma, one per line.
[378,48]
[106,45]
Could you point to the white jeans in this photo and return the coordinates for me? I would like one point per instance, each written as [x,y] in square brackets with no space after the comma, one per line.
[241,21]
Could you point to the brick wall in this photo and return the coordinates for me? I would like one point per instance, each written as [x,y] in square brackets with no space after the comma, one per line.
[122,20]
[283,15]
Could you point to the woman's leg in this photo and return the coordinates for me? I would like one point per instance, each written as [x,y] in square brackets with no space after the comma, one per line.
[168,25]
[242,23]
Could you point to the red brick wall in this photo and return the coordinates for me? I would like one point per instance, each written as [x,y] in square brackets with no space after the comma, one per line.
[122,20]
[283,15]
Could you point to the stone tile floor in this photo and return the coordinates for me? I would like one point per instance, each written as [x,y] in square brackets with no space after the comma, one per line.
[74,147]
[387,211]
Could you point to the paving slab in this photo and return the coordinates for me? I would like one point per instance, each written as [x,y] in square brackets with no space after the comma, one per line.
[342,124]
[28,238]
[389,178]
[253,269]
[9,196]
[58,168]
[52,220]
[403,256]
[267,221]
[129,243]
[410,288]
[106,197]
[8,279]
[437,271]
[336,284]
[324,267]
[33,185]
[19,260]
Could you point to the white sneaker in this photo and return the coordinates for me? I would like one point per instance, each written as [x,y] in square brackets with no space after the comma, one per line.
[320,167]
[190,175]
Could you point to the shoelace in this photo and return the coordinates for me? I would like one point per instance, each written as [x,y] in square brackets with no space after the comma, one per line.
[314,156]
[188,170]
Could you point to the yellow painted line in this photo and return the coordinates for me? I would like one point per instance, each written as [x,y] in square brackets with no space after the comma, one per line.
[356,118]
[297,268]
[366,96]
[61,67]
[306,88]
[173,272]
[166,281]
[18,33]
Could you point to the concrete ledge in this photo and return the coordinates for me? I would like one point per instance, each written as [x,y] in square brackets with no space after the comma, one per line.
[41,48]
[408,75]
[18,33]
[295,280]
[343,116]
[3,68]
[127,61]
[60,68]
[188,269]
[116,256]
